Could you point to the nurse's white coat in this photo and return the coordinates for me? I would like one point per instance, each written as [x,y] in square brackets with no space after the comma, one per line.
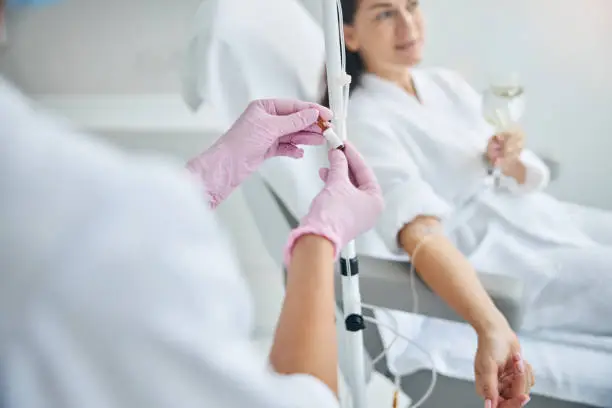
[117,287]
[428,158]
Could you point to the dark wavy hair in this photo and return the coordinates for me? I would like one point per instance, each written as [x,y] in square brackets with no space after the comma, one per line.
[354,63]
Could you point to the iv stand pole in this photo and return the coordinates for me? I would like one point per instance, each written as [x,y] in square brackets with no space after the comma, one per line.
[337,81]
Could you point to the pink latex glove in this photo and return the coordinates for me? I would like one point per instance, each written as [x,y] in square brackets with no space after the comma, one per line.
[348,205]
[267,128]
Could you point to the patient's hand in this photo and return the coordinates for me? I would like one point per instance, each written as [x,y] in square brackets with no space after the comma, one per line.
[505,148]
[502,376]
[504,152]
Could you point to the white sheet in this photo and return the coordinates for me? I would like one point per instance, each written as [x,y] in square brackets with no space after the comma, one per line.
[574,368]
[569,366]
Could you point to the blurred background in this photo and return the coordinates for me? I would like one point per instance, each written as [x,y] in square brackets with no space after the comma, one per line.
[561,49]
[113,67]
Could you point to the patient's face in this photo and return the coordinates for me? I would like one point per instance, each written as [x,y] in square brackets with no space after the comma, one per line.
[387,33]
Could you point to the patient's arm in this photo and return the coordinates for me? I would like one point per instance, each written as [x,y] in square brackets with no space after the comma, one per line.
[530,173]
[517,170]
[449,274]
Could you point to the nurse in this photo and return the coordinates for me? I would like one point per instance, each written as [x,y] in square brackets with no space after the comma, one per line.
[119,289]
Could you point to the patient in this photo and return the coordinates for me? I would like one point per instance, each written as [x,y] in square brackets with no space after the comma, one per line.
[423,133]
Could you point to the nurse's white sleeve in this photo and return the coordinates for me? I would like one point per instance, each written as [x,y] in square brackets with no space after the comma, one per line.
[405,192]
[119,288]
[160,317]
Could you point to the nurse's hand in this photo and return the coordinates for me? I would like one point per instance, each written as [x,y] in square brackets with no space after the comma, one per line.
[505,148]
[348,205]
[267,128]
[502,375]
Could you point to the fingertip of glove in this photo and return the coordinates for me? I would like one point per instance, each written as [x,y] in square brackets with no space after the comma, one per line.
[336,154]
[311,115]
[325,112]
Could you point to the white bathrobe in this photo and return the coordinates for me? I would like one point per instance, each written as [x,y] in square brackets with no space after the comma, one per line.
[428,157]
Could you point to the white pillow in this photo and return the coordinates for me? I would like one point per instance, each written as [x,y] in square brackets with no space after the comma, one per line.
[242,50]
[315,8]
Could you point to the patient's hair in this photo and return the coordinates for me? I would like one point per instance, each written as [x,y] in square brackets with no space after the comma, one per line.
[354,64]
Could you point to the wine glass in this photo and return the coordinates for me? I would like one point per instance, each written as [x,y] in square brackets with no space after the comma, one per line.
[503,105]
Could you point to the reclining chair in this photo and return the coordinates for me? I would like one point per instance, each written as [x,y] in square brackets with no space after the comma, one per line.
[234,57]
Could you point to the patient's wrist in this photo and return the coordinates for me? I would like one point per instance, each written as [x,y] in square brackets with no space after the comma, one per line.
[490,323]
[517,170]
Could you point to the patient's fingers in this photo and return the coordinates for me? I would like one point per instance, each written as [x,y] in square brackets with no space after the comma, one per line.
[517,402]
[530,376]
[486,381]
[510,369]
[518,383]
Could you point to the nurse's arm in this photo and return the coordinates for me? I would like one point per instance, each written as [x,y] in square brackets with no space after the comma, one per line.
[305,340]
[449,274]
[167,324]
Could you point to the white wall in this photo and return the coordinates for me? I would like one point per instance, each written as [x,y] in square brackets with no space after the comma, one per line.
[98,46]
[561,48]
[563,52]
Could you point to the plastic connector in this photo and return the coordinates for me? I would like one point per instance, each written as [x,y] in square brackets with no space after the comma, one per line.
[332,137]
